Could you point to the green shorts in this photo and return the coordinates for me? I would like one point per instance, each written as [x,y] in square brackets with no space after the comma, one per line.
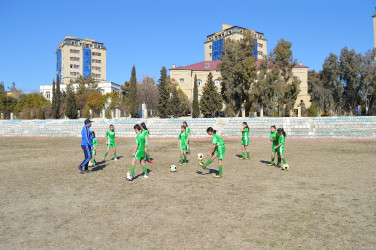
[140,155]
[220,151]
[183,147]
[111,145]
[281,150]
[93,152]
[245,141]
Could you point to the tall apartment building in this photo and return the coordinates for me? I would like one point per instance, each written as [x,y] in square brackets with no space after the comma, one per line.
[75,57]
[214,42]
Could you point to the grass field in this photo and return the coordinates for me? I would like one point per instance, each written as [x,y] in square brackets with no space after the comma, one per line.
[326,200]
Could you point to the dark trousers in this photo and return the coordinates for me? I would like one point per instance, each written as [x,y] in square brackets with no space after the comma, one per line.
[87,152]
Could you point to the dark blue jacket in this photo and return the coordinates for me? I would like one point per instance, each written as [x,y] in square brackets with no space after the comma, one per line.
[87,137]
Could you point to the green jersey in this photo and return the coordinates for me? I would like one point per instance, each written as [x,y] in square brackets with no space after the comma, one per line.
[274,135]
[140,152]
[183,137]
[217,140]
[188,130]
[245,134]
[145,133]
[281,139]
[95,142]
[110,137]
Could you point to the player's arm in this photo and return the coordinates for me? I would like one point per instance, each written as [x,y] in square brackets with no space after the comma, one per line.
[242,130]
[278,145]
[135,149]
[212,150]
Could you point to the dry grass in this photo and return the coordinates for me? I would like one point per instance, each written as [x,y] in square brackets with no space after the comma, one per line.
[326,200]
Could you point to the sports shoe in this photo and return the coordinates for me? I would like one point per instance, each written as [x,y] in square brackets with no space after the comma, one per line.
[241,158]
[129,176]
[201,164]
[115,158]
[88,171]
[151,161]
[80,169]
[145,176]
[277,166]
[103,160]
[217,176]
[247,158]
[185,163]
[180,164]
[270,164]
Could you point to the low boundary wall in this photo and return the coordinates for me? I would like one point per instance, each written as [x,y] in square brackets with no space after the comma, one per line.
[343,127]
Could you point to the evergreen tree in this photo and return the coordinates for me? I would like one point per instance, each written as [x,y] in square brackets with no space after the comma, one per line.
[133,97]
[175,103]
[53,107]
[71,108]
[40,114]
[211,101]
[58,97]
[164,95]
[195,105]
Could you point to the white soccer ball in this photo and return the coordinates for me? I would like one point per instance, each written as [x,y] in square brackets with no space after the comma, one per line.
[200,157]
[285,166]
[90,163]
[172,168]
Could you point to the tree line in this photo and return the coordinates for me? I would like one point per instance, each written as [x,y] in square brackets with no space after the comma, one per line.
[345,82]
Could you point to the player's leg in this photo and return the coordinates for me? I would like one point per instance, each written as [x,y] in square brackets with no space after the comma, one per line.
[215,155]
[272,158]
[243,151]
[246,150]
[185,156]
[279,159]
[114,150]
[105,154]
[142,163]
[88,150]
[181,157]
[85,161]
[221,154]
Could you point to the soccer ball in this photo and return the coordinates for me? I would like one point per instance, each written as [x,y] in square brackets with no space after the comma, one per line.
[285,166]
[200,157]
[173,168]
[90,163]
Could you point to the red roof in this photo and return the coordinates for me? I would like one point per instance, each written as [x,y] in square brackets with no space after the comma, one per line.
[212,65]
[201,66]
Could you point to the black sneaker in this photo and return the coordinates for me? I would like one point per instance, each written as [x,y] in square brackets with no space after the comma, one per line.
[80,169]
[88,171]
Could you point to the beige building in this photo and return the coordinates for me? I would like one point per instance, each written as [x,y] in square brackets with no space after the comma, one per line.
[214,42]
[75,57]
[184,76]
[374,28]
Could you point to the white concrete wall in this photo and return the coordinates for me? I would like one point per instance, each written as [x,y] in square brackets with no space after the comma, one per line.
[304,127]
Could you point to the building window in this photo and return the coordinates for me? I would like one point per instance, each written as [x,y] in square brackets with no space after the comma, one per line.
[260,53]
[210,47]
[181,80]
[74,73]
[96,61]
[74,66]
[96,68]
[199,83]
[75,51]
[97,75]
[210,54]
[75,59]
[260,45]
[217,83]
[48,95]
[96,53]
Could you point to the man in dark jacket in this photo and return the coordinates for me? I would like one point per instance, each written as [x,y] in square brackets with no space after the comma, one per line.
[87,146]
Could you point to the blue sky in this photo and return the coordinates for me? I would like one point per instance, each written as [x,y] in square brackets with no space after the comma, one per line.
[152,34]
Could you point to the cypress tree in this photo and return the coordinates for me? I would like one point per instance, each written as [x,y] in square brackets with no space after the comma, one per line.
[133,97]
[211,102]
[53,106]
[58,97]
[71,108]
[175,103]
[164,95]
[195,105]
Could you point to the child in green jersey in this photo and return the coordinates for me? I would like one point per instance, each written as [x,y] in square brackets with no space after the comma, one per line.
[188,130]
[274,139]
[183,137]
[145,133]
[218,150]
[245,141]
[94,151]
[281,148]
[138,154]
[110,142]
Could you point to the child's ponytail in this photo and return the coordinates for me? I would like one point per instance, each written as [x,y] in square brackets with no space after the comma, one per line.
[280,130]
[246,125]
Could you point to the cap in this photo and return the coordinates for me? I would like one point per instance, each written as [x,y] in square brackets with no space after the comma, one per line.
[87,121]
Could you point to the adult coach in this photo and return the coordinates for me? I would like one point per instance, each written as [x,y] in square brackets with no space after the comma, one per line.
[87,146]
